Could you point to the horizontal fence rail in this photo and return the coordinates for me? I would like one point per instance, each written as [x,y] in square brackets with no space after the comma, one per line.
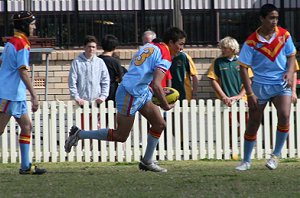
[203,129]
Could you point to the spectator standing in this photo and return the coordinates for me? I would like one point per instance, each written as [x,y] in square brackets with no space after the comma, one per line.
[184,76]
[88,76]
[224,73]
[109,44]
[225,77]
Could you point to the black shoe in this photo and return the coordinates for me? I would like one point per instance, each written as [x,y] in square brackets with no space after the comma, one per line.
[73,138]
[32,170]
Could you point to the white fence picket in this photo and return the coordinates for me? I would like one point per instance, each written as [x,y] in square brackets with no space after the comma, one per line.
[13,139]
[218,129]
[202,129]
[135,140]
[226,128]
[61,131]
[111,125]
[53,133]
[46,123]
[177,129]
[234,121]
[243,122]
[168,133]
[184,132]
[37,136]
[4,148]
[210,129]
[291,137]
[194,131]
[69,125]
[161,149]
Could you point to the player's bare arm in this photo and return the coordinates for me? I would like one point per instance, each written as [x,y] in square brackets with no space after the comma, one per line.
[24,76]
[252,99]
[289,75]
[158,90]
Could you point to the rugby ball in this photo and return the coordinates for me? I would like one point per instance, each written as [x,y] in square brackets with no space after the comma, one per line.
[171,95]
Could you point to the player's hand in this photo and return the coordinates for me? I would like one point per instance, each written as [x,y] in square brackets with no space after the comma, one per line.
[80,102]
[294,97]
[227,101]
[288,78]
[168,107]
[99,101]
[34,104]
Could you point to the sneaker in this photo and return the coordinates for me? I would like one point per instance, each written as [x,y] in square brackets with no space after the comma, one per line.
[243,166]
[73,138]
[32,170]
[151,167]
[272,163]
[156,162]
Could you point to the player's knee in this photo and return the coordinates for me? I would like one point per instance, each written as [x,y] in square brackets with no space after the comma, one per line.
[26,129]
[162,125]
[123,139]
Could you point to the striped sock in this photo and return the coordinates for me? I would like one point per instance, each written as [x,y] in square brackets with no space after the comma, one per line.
[249,143]
[281,136]
[24,141]
[152,141]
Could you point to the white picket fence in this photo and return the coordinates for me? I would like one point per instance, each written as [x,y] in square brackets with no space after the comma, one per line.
[196,131]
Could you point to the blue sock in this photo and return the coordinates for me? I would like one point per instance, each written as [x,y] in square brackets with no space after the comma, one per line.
[280,140]
[24,141]
[100,134]
[248,147]
[151,145]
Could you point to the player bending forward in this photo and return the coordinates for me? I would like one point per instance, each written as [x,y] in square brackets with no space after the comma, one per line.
[148,65]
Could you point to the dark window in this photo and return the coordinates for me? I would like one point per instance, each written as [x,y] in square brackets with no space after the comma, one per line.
[199,26]
[122,25]
[238,24]
[157,21]
[56,26]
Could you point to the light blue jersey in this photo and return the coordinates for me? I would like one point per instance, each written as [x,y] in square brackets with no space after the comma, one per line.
[140,72]
[14,57]
[268,61]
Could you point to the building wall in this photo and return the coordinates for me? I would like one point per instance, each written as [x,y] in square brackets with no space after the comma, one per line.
[60,61]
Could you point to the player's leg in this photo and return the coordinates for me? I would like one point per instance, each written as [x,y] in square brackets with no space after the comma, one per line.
[283,105]
[254,120]
[117,135]
[255,117]
[4,118]
[24,141]
[152,113]
[125,103]
[4,114]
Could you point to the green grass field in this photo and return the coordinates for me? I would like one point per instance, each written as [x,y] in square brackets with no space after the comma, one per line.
[205,178]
